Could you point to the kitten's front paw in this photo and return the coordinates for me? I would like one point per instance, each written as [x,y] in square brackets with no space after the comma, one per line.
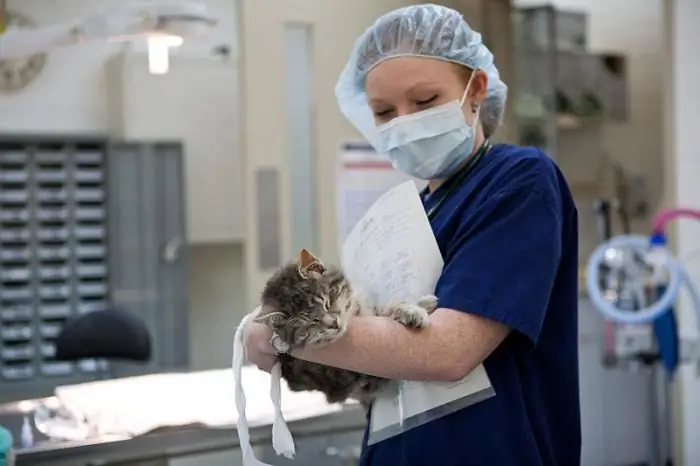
[429,303]
[412,316]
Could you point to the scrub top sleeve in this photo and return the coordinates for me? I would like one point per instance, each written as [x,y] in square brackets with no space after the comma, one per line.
[503,261]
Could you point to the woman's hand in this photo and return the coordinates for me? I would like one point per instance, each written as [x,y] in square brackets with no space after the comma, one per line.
[259,351]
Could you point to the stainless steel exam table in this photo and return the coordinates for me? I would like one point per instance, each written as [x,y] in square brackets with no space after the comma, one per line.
[327,440]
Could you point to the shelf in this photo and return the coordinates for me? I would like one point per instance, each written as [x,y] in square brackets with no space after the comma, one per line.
[53,261]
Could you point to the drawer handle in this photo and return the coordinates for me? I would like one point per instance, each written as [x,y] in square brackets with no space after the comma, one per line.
[349,453]
[171,252]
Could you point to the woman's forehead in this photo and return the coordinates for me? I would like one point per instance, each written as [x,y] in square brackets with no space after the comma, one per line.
[401,74]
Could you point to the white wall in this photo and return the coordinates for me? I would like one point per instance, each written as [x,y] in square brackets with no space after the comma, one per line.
[681,71]
[217,294]
[71,94]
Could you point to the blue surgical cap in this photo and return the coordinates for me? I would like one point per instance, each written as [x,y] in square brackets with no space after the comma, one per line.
[424,31]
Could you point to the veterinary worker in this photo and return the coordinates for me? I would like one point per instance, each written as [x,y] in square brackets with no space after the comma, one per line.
[423,88]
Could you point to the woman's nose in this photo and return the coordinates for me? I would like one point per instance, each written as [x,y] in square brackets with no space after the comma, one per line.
[404,110]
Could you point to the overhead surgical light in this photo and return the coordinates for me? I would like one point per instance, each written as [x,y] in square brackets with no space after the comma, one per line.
[162,25]
[159,51]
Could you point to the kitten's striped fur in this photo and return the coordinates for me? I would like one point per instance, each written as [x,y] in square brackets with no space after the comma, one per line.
[309,304]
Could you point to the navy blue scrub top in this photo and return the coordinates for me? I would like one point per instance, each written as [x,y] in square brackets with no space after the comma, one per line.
[509,239]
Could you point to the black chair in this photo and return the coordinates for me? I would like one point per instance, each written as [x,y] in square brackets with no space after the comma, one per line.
[110,334]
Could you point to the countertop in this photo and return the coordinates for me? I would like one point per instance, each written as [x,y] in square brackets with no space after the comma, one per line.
[180,441]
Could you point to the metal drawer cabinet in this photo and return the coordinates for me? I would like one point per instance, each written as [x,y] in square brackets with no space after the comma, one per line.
[341,449]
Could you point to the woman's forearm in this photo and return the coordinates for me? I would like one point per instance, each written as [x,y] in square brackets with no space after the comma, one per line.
[448,349]
[380,346]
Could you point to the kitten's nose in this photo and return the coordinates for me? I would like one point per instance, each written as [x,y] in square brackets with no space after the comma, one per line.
[330,321]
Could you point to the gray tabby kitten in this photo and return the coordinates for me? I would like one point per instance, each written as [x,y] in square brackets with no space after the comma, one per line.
[308,304]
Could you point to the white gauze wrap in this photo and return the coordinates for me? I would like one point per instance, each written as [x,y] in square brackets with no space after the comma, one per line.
[282,440]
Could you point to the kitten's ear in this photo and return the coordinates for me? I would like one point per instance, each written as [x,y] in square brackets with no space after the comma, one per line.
[306,258]
[309,263]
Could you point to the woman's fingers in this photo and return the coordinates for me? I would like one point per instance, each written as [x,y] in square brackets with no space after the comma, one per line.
[266,363]
[259,351]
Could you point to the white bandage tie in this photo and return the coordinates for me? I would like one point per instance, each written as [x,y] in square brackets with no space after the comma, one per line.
[282,440]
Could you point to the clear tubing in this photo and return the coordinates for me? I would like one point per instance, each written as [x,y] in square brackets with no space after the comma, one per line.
[663,218]
[677,277]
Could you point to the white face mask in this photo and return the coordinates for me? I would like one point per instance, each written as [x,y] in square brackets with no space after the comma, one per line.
[430,144]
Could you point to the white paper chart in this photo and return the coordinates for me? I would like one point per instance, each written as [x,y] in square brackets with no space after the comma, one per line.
[363,177]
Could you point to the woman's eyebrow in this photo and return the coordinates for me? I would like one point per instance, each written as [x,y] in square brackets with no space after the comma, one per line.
[422,84]
[378,101]
[419,86]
